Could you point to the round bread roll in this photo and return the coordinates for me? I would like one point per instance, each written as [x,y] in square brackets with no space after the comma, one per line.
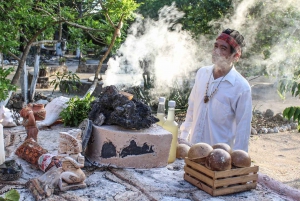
[198,152]
[224,146]
[240,158]
[182,150]
[218,160]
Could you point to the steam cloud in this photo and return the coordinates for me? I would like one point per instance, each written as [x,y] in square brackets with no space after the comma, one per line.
[171,52]
[164,48]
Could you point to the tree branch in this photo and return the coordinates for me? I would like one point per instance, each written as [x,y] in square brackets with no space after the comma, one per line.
[44,41]
[107,16]
[49,14]
[94,38]
[13,55]
[82,27]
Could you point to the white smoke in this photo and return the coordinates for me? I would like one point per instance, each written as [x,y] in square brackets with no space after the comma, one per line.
[172,53]
[168,51]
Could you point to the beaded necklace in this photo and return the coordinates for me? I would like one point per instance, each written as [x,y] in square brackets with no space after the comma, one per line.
[207,97]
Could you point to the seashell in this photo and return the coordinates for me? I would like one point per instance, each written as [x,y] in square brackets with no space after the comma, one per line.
[53,110]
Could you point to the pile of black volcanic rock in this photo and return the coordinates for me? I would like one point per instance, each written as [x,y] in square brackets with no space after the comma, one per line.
[111,107]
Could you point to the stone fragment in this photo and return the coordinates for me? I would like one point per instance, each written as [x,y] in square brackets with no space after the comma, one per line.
[128,148]
[278,117]
[269,113]
[86,128]
[253,131]
[294,126]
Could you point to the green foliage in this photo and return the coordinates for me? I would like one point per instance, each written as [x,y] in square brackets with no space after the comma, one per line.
[43,66]
[77,110]
[292,112]
[12,195]
[289,84]
[179,93]
[198,14]
[5,85]
[66,81]
[62,60]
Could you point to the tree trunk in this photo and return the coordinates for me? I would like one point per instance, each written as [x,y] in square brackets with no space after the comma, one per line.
[35,74]
[58,45]
[24,84]
[24,56]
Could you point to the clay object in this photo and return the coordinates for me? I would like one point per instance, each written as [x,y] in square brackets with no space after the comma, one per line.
[39,111]
[118,110]
[6,115]
[86,128]
[53,109]
[30,151]
[10,170]
[47,161]
[29,123]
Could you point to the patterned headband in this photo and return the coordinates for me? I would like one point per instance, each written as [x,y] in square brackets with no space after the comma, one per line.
[228,39]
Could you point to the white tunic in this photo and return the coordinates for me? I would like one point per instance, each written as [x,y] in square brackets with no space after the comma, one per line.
[226,117]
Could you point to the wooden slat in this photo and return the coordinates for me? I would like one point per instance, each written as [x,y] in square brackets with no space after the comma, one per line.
[234,189]
[221,174]
[220,191]
[198,184]
[235,172]
[235,180]
[198,175]
[199,167]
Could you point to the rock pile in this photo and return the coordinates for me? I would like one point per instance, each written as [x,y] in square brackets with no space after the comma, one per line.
[267,122]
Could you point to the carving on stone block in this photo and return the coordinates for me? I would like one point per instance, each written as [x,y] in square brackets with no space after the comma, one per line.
[29,123]
[70,150]
[133,149]
[118,110]
[108,150]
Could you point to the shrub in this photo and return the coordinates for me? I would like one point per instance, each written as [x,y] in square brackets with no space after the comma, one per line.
[5,85]
[77,110]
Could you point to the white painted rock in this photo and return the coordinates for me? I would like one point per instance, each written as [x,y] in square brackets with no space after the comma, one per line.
[6,116]
[53,110]
[128,148]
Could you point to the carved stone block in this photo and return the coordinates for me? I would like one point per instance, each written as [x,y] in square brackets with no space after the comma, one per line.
[128,148]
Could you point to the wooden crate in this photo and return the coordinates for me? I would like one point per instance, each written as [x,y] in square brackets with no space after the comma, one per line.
[218,183]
